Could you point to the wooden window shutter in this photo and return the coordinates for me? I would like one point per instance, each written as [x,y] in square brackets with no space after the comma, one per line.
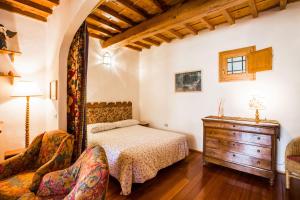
[260,60]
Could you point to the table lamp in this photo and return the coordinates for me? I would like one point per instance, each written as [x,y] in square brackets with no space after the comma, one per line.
[26,89]
[256,104]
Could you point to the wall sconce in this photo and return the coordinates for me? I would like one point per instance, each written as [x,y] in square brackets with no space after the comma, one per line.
[107,59]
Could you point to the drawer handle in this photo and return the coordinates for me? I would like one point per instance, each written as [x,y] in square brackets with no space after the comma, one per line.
[258,162]
[258,138]
[233,133]
[258,151]
[233,155]
[233,144]
[233,126]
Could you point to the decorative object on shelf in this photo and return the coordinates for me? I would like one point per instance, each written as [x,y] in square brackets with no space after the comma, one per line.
[26,89]
[221,108]
[107,59]
[53,90]
[188,82]
[242,144]
[256,103]
[4,34]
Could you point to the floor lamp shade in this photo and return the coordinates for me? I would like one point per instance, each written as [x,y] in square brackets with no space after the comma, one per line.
[26,89]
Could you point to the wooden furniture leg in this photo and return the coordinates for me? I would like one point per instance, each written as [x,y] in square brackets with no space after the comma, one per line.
[287,180]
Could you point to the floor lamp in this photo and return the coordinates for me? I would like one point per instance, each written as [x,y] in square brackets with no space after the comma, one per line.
[26,89]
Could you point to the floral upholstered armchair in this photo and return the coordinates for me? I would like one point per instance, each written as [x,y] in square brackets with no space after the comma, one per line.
[21,174]
[87,178]
[292,161]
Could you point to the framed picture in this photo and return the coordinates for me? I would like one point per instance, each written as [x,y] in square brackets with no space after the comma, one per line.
[53,90]
[188,82]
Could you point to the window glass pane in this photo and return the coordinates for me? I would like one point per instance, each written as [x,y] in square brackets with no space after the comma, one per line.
[236,59]
[236,65]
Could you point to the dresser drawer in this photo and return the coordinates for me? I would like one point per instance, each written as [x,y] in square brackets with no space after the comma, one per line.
[239,127]
[246,149]
[238,158]
[238,136]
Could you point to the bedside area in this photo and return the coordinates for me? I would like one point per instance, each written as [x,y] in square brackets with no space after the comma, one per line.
[146,124]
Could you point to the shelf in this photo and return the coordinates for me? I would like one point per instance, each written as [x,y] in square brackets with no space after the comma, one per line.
[10,53]
[12,78]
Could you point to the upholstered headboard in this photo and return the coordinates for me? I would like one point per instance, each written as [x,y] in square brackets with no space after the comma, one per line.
[108,112]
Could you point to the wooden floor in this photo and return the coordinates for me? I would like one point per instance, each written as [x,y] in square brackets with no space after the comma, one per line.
[188,179]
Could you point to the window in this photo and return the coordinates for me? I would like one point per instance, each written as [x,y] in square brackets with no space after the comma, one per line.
[233,65]
[236,65]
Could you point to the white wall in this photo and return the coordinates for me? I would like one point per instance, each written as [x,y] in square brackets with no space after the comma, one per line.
[116,83]
[160,105]
[30,40]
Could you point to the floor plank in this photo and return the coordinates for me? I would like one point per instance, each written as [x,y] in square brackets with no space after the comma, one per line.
[189,180]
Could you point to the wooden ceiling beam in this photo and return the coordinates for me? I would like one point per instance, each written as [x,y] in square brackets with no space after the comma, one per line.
[228,17]
[191,29]
[283,4]
[162,37]
[176,33]
[176,16]
[253,8]
[152,42]
[100,37]
[128,4]
[30,5]
[207,24]
[54,2]
[115,14]
[134,47]
[141,44]
[100,29]
[158,5]
[10,8]
[105,22]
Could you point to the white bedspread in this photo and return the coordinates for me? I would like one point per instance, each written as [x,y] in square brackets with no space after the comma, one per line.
[136,153]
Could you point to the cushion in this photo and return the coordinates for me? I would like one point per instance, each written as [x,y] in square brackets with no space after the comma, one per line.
[125,123]
[50,144]
[16,186]
[294,158]
[99,127]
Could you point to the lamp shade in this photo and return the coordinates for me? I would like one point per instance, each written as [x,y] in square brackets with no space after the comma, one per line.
[256,103]
[25,89]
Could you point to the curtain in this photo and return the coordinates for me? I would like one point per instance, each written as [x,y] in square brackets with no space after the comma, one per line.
[76,89]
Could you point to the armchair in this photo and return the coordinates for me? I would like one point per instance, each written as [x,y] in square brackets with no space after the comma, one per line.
[87,178]
[21,174]
[292,161]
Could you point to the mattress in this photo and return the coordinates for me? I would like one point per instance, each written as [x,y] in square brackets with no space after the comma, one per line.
[136,153]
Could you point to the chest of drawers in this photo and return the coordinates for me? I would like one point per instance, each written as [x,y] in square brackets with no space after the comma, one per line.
[241,144]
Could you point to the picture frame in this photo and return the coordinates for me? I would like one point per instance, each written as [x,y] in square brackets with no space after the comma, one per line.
[53,90]
[188,81]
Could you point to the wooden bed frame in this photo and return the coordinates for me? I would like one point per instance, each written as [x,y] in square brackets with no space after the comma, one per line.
[99,112]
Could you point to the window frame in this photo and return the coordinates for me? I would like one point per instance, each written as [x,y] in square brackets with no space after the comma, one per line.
[223,70]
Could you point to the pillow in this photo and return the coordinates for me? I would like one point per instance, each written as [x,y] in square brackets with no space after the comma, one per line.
[125,123]
[99,127]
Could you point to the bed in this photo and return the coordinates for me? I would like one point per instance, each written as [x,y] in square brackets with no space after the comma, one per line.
[135,153]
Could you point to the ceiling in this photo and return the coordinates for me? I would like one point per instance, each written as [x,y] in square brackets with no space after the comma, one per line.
[140,24]
[37,9]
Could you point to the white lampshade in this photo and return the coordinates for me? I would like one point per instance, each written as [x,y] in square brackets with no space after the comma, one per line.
[25,89]
[257,103]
